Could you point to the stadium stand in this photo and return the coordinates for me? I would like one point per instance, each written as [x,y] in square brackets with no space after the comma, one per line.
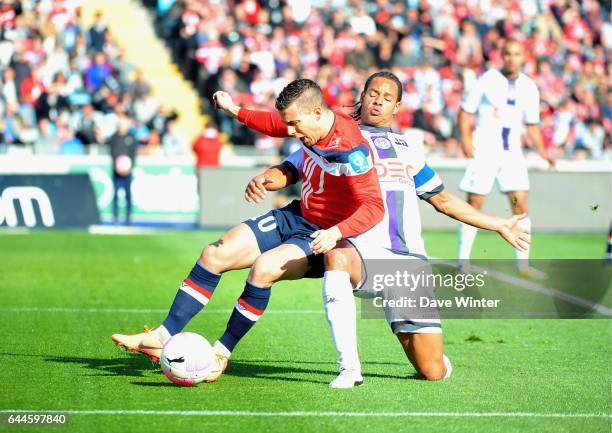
[253,48]
[65,85]
[64,82]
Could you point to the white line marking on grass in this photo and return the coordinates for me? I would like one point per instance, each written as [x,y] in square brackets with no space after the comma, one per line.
[539,288]
[520,282]
[135,310]
[121,230]
[317,414]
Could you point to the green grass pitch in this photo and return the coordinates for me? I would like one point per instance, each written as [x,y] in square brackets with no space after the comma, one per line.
[60,292]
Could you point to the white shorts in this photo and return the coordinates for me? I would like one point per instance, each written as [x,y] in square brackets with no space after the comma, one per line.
[398,318]
[510,170]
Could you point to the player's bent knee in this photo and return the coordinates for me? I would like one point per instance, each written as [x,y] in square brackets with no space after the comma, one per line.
[519,208]
[433,371]
[265,271]
[337,260]
[213,259]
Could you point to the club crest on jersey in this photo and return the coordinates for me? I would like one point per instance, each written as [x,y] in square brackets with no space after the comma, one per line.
[382,143]
[358,161]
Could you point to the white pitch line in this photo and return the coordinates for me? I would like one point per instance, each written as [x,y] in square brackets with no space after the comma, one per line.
[538,288]
[520,282]
[316,414]
[135,310]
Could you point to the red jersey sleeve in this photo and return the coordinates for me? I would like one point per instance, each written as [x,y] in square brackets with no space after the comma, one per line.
[365,190]
[266,122]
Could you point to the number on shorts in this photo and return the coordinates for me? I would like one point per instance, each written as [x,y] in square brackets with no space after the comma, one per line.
[266,224]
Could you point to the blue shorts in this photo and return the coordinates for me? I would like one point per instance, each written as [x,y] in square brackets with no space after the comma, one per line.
[287,226]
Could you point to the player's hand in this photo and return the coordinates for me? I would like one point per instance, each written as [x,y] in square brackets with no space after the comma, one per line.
[223,101]
[518,237]
[552,161]
[256,190]
[325,240]
[468,148]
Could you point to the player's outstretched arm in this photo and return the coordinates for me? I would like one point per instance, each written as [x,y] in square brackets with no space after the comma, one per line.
[459,209]
[266,122]
[273,179]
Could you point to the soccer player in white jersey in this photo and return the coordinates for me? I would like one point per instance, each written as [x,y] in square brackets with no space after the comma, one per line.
[505,103]
[403,176]
[398,235]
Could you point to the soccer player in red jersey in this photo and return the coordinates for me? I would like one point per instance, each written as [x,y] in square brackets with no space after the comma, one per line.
[396,239]
[340,198]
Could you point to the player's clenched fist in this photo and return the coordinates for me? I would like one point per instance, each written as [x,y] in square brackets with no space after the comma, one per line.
[224,101]
[256,189]
[325,240]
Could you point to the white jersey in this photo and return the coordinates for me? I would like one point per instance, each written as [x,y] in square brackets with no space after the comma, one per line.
[403,175]
[502,107]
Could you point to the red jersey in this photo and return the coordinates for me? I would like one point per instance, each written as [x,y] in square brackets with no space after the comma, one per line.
[339,187]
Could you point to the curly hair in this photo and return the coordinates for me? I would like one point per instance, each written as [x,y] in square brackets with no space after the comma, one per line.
[382,74]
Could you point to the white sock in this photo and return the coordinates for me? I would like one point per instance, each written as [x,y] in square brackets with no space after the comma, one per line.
[162,334]
[523,256]
[342,317]
[448,365]
[219,347]
[467,234]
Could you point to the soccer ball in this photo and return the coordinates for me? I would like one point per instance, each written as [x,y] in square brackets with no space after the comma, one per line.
[187,358]
[123,165]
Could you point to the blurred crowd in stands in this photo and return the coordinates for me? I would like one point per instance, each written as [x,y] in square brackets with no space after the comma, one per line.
[64,89]
[252,48]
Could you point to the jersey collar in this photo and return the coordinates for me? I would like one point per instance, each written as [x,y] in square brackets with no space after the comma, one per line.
[371,128]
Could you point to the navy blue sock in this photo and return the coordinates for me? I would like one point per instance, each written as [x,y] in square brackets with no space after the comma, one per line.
[247,311]
[194,293]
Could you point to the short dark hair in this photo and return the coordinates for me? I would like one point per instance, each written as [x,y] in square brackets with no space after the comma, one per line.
[381,74]
[512,41]
[305,92]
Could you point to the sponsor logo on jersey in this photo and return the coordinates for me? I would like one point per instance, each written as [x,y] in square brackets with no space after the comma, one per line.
[382,143]
[401,142]
[358,162]
[334,144]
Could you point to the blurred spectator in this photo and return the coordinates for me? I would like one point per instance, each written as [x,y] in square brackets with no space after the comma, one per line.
[61,87]
[84,123]
[173,142]
[207,150]
[340,43]
[97,33]
[252,48]
[207,147]
[123,155]
[589,138]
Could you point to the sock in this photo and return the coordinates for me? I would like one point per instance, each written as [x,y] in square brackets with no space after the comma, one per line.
[248,309]
[523,256]
[467,234]
[342,317]
[194,293]
[162,334]
[448,365]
